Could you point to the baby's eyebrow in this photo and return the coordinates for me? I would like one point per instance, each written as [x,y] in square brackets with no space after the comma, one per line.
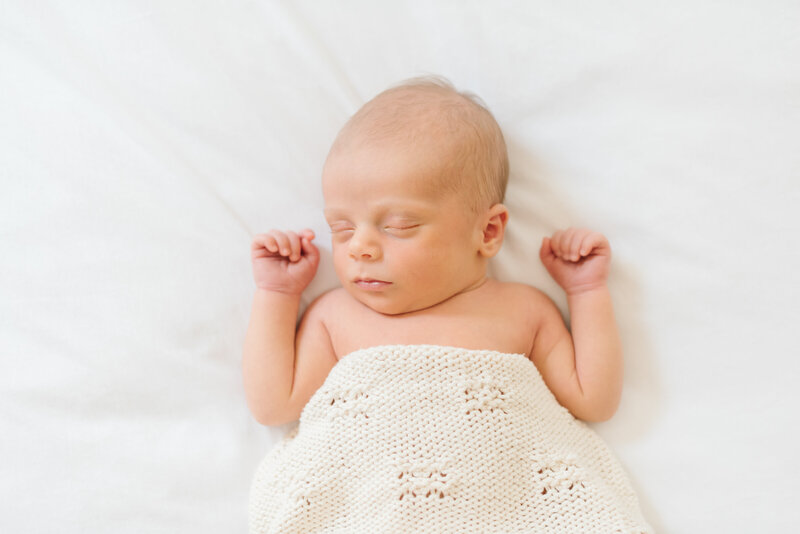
[332,212]
[402,214]
[396,208]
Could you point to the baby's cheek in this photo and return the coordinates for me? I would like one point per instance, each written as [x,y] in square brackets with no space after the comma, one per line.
[339,260]
[433,264]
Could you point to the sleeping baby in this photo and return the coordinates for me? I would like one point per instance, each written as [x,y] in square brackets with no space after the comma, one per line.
[431,397]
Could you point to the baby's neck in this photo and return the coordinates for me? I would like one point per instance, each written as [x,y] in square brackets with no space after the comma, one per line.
[455,300]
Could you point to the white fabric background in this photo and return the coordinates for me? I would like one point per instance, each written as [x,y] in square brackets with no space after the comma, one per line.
[143,143]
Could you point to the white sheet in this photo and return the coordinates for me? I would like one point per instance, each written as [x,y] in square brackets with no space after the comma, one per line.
[143,143]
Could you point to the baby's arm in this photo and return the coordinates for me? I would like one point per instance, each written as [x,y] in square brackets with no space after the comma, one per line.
[584,370]
[281,363]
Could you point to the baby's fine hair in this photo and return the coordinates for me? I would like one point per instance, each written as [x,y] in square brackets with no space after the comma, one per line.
[417,107]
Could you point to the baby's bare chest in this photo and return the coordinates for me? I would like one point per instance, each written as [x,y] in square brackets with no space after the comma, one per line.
[495,325]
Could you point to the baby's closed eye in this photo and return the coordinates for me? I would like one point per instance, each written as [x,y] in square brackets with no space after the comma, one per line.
[400,220]
[401,227]
[338,227]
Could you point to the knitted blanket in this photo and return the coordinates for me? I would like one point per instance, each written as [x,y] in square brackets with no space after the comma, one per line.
[426,438]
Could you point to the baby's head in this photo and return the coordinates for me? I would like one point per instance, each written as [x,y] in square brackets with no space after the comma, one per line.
[413,187]
[430,114]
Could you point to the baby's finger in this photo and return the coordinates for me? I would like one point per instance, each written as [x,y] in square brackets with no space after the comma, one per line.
[308,233]
[282,240]
[594,242]
[310,251]
[575,243]
[295,246]
[264,241]
[556,243]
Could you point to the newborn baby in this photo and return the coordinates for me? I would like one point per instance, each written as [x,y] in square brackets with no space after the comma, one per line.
[413,189]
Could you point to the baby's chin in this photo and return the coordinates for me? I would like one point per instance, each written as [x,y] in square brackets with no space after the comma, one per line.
[388,305]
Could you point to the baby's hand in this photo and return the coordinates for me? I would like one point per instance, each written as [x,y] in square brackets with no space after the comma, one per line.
[284,261]
[577,259]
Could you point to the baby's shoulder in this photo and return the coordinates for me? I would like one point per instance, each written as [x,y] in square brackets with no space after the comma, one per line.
[519,291]
[328,301]
[331,305]
[524,298]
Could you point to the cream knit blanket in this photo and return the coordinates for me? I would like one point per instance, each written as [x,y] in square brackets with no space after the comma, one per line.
[436,439]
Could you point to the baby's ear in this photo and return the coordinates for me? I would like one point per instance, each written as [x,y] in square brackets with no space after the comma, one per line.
[494,227]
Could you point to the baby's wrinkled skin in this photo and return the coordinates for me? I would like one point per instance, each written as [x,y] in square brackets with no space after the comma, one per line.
[412,259]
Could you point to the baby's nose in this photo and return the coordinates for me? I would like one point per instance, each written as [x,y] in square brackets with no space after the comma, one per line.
[364,247]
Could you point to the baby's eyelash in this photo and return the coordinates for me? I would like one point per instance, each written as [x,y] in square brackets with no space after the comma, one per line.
[399,228]
[339,226]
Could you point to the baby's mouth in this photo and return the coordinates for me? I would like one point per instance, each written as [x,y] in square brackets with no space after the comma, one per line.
[371,284]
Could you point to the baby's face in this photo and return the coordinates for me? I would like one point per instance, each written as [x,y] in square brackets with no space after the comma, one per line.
[400,243]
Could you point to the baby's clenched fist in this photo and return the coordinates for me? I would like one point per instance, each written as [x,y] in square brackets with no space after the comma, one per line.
[578,259]
[284,261]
